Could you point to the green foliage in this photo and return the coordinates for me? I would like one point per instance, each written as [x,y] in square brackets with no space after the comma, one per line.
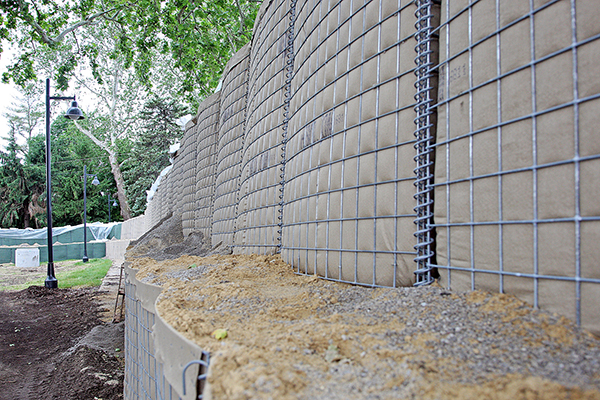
[71,150]
[200,36]
[21,185]
[21,181]
[148,155]
[12,182]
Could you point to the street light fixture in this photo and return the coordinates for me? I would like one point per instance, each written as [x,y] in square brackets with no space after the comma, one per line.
[73,113]
[113,204]
[95,182]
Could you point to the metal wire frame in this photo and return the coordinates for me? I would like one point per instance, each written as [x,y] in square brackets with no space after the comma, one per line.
[203,364]
[536,222]
[269,158]
[425,60]
[144,375]
[289,74]
[188,158]
[140,382]
[204,189]
[243,146]
[221,215]
[294,197]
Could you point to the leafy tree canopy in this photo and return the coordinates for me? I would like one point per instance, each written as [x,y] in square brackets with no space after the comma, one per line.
[200,36]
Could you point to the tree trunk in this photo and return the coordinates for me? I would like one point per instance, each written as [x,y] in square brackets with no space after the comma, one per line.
[116,171]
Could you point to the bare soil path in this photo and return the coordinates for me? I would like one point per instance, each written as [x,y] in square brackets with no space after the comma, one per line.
[54,344]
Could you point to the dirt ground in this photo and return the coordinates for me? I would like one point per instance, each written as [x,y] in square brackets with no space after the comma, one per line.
[57,343]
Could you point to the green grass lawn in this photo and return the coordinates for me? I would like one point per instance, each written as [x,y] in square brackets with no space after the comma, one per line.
[91,274]
[78,274]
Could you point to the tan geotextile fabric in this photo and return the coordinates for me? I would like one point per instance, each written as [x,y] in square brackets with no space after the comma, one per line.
[140,375]
[258,199]
[187,202]
[177,179]
[516,169]
[230,146]
[171,350]
[348,211]
[206,157]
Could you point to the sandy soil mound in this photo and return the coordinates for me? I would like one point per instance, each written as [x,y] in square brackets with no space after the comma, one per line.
[301,337]
[166,241]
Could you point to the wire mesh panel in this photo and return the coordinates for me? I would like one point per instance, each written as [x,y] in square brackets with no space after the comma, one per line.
[150,213]
[146,376]
[166,194]
[188,165]
[176,180]
[230,145]
[159,204]
[140,364]
[517,153]
[206,157]
[348,211]
[257,222]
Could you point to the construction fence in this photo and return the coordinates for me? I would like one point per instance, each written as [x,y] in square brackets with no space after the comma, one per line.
[392,143]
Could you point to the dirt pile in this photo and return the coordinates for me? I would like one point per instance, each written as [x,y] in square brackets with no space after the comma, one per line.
[50,346]
[301,337]
[166,241]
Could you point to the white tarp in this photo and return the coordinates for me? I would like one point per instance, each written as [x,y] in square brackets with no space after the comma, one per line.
[99,230]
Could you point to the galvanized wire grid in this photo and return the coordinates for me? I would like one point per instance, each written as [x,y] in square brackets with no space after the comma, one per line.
[206,158]
[140,363]
[144,376]
[230,145]
[177,176]
[187,204]
[517,154]
[349,158]
[257,222]
[425,128]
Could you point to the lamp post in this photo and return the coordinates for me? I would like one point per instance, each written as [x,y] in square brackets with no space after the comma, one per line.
[73,113]
[109,205]
[95,182]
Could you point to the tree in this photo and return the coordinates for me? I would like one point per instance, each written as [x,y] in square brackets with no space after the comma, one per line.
[26,115]
[149,152]
[71,151]
[111,87]
[21,188]
[200,35]
[22,181]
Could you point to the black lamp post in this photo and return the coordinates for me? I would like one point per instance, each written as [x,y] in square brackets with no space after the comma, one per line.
[73,113]
[109,206]
[95,182]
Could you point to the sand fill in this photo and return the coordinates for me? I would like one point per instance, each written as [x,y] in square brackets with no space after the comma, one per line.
[300,337]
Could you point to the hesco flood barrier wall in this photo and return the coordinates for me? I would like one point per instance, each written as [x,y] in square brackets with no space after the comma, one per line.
[397,142]
[384,143]
[159,362]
